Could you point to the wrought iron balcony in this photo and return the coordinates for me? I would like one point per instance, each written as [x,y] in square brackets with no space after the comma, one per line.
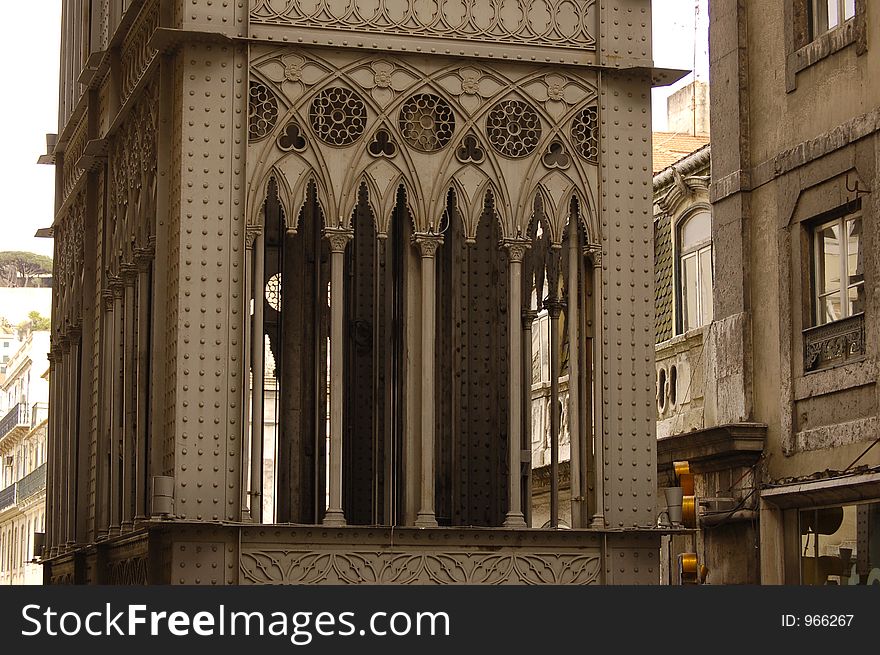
[15,417]
[7,497]
[32,483]
[834,343]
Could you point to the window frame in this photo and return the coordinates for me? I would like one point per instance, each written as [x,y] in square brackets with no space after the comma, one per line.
[840,220]
[818,11]
[695,250]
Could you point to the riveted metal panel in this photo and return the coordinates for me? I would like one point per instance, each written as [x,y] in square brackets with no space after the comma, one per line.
[628,320]
[210,270]
[199,563]
[229,18]
[632,559]
[625,33]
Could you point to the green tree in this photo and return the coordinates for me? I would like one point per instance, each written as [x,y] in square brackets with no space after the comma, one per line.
[38,322]
[18,268]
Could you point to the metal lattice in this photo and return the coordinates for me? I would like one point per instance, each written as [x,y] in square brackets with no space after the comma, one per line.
[585,133]
[262,111]
[427,122]
[273,292]
[514,128]
[338,116]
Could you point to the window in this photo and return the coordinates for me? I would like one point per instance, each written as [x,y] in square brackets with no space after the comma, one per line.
[839,269]
[695,270]
[825,15]
[840,545]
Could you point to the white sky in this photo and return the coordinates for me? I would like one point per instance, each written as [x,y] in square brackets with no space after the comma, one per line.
[29,62]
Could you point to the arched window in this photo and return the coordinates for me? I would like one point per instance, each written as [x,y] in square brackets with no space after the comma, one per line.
[695,270]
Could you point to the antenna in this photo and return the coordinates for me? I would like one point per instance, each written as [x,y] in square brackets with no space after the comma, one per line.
[694,84]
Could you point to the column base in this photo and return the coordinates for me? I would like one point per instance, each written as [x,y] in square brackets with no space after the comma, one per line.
[515,520]
[335,518]
[426,520]
[598,522]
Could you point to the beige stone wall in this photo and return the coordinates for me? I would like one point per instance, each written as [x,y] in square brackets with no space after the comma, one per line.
[795,138]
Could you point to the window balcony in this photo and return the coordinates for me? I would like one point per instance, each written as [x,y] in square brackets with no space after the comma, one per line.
[834,343]
[32,483]
[7,497]
[18,416]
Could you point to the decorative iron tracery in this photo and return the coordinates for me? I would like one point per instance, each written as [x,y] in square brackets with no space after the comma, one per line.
[514,128]
[427,122]
[338,116]
[262,111]
[292,138]
[470,151]
[382,144]
[585,133]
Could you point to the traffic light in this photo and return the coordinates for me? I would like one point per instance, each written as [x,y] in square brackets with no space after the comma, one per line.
[690,571]
[685,479]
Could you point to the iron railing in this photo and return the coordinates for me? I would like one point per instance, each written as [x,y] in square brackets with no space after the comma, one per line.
[834,343]
[18,415]
[7,496]
[32,483]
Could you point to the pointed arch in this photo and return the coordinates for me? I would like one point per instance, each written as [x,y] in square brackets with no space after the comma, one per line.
[382,178]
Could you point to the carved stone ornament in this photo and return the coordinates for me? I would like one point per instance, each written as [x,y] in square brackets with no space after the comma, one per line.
[427,243]
[516,248]
[251,233]
[338,237]
[594,251]
[834,343]
[440,568]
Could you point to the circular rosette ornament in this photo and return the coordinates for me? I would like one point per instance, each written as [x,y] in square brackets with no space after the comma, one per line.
[338,116]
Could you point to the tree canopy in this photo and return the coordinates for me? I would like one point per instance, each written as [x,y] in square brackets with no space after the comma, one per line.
[18,268]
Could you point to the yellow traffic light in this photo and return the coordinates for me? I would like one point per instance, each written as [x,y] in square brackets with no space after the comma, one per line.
[690,571]
[685,479]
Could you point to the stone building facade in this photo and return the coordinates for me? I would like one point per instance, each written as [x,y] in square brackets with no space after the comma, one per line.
[795,338]
[339,217]
[24,392]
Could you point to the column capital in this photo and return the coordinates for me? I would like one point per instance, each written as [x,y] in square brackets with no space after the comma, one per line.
[594,251]
[251,232]
[128,273]
[338,237]
[74,331]
[528,317]
[107,297]
[427,243]
[554,307]
[143,257]
[516,248]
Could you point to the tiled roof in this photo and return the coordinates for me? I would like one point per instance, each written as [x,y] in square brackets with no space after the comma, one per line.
[669,147]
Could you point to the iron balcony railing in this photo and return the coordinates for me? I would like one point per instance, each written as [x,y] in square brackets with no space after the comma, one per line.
[7,497]
[32,483]
[18,415]
[834,343]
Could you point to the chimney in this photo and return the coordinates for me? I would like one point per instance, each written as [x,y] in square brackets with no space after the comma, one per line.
[687,110]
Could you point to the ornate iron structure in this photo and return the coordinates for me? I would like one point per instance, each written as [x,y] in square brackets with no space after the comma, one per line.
[301,274]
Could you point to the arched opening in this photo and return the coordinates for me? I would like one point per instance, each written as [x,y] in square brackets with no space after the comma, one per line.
[373,391]
[294,333]
[472,372]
